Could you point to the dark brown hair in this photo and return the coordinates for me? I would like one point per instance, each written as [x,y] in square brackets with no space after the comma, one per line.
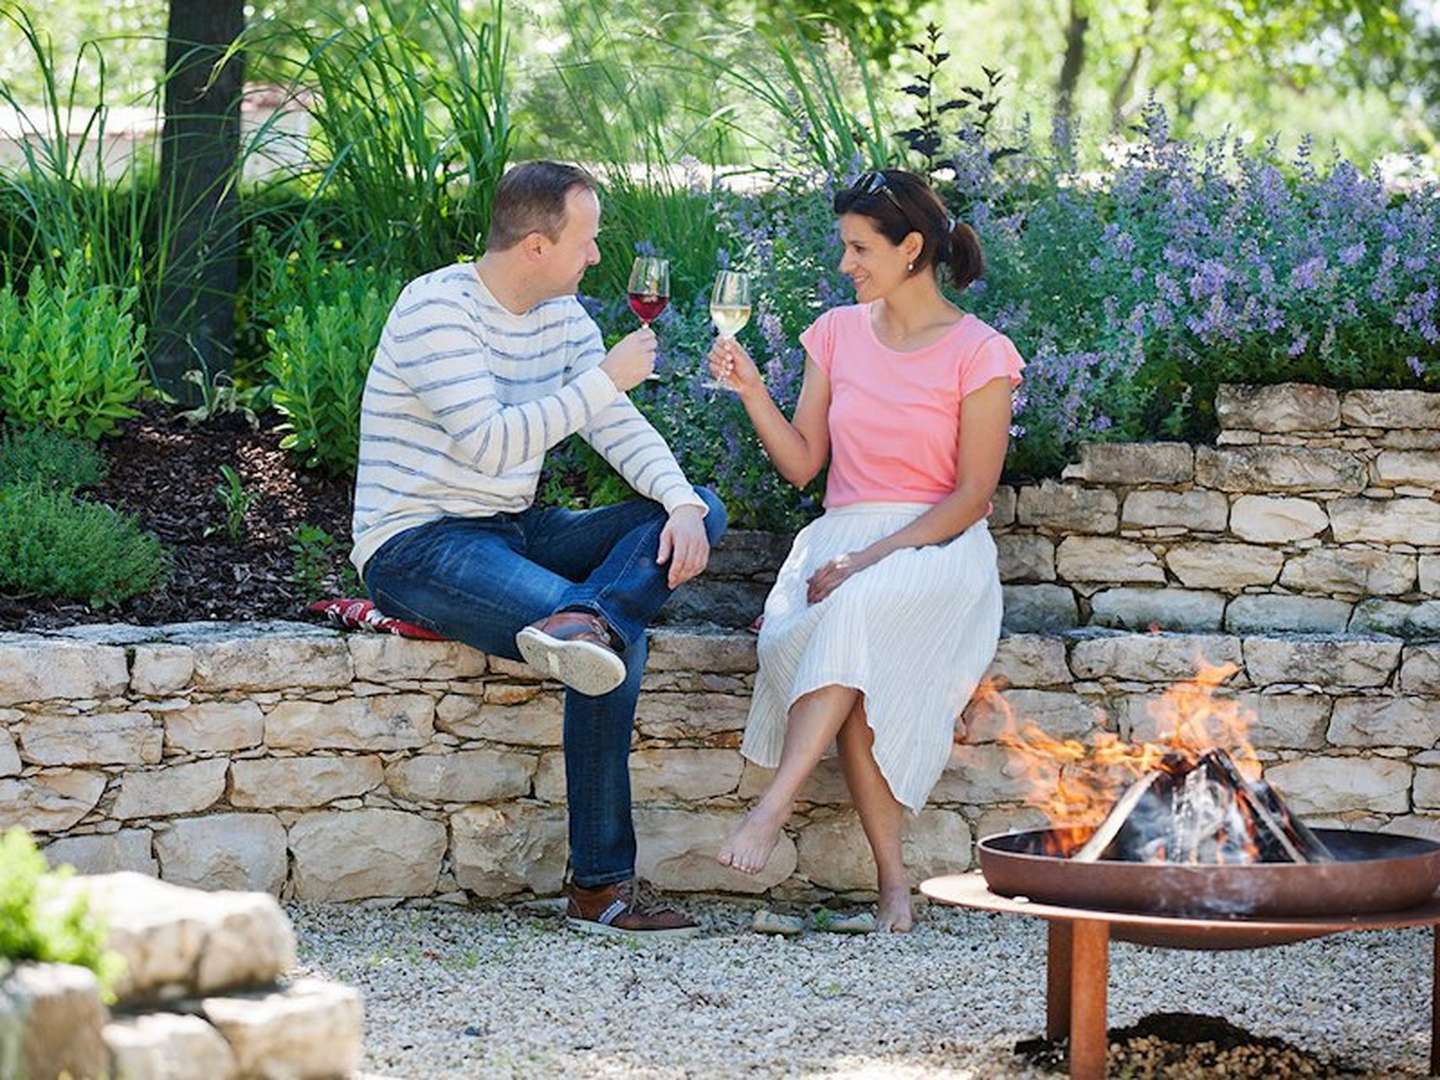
[899,203]
[531,198]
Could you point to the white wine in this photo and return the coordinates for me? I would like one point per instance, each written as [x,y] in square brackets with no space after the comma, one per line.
[729,319]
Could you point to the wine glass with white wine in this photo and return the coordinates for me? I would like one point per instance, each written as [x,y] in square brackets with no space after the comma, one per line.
[729,311]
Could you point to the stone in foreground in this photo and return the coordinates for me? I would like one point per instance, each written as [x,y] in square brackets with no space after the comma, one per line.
[310,1029]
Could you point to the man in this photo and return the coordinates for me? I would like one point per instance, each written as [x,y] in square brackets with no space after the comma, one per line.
[481,368]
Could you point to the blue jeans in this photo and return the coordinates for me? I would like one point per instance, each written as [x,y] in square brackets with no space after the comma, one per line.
[480,580]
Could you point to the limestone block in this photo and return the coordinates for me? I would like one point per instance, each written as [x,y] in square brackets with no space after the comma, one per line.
[1427,788]
[1324,661]
[1030,608]
[105,853]
[1384,721]
[168,1046]
[1425,826]
[1270,721]
[9,757]
[1363,571]
[381,722]
[688,650]
[49,801]
[272,662]
[51,1017]
[1276,520]
[176,941]
[1136,463]
[688,716]
[124,738]
[537,722]
[1029,660]
[1390,409]
[550,777]
[1068,507]
[1397,619]
[1336,785]
[1420,468]
[215,725]
[350,855]
[1002,507]
[1158,658]
[1430,574]
[302,782]
[677,852]
[1103,558]
[34,668]
[744,553]
[985,773]
[1060,715]
[1279,408]
[499,850]
[1278,468]
[311,1028]
[1197,511]
[825,785]
[1164,609]
[1420,671]
[1264,613]
[225,851]
[1224,566]
[462,776]
[683,774]
[161,668]
[833,853]
[172,789]
[1025,558]
[1006,819]
[1385,521]
[383,658]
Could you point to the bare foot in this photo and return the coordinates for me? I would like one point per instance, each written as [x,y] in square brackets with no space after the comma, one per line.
[893,913]
[750,845]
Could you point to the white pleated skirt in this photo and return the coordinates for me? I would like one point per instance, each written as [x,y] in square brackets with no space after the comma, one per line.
[914,634]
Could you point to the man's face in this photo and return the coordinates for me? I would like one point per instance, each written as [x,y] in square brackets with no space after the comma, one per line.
[567,257]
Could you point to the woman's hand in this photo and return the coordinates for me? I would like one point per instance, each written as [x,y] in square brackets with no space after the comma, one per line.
[835,572]
[731,365]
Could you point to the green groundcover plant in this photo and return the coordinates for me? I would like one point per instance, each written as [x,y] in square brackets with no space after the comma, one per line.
[49,459]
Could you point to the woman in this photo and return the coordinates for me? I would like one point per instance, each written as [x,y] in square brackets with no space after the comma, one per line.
[887,611]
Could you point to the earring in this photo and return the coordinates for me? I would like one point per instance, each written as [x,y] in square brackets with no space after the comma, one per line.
[910,267]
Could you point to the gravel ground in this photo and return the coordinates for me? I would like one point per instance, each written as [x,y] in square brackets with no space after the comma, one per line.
[510,992]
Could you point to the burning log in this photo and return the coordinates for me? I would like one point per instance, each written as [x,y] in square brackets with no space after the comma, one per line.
[1201,811]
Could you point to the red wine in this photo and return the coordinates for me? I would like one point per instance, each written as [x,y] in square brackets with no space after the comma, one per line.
[648,306]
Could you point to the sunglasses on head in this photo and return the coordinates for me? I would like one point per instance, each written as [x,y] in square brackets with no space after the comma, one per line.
[875,183]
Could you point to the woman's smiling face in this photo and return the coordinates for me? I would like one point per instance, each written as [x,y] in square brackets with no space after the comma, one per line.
[871,261]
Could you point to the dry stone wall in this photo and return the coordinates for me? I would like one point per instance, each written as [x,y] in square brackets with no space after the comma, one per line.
[295,760]
[1315,512]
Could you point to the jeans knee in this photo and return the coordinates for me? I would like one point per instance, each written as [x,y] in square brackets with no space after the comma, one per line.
[716,516]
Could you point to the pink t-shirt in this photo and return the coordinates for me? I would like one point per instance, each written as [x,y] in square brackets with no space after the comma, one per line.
[895,416]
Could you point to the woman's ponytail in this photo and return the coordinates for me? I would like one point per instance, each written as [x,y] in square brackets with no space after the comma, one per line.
[963,255]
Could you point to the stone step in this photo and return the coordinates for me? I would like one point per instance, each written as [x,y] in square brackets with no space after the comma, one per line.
[178,942]
[51,1018]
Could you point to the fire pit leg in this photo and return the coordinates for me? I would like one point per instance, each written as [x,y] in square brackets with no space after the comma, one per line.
[1057,981]
[1089,981]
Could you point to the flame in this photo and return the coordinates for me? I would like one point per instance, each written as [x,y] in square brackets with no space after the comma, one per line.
[1076,784]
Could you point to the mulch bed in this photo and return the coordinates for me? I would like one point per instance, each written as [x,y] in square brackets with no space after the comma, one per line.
[164,470]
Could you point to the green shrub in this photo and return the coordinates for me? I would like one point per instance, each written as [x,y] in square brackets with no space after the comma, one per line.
[53,545]
[70,352]
[34,925]
[320,567]
[319,359]
[51,460]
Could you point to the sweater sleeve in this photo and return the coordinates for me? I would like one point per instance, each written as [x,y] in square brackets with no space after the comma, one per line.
[445,362]
[630,443]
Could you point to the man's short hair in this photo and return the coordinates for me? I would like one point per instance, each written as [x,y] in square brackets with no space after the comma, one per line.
[531,198]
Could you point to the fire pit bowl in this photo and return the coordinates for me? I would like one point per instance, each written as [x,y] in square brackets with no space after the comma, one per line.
[1372,872]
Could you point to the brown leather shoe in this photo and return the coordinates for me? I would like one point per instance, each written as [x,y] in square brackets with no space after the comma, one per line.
[575,647]
[627,909]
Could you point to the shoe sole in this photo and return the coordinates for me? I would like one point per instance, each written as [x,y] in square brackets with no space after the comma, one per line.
[581,665]
[589,926]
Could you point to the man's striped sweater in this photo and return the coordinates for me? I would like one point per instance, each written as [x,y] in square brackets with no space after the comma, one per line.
[464,398]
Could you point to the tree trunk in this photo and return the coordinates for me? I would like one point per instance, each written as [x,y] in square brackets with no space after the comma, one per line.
[199,152]
[1120,99]
[1072,65]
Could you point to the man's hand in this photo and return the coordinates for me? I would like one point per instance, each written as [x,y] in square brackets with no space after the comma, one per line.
[684,544]
[632,359]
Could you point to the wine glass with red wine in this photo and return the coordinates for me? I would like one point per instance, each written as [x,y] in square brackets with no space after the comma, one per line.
[649,290]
